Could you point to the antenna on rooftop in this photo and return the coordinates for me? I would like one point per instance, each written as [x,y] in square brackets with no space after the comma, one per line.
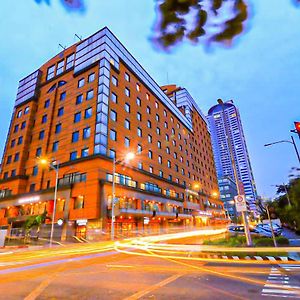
[64,47]
[79,37]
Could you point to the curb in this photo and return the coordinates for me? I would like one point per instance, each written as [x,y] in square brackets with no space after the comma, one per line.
[255,257]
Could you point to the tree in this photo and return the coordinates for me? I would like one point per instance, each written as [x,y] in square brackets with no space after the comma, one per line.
[34,221]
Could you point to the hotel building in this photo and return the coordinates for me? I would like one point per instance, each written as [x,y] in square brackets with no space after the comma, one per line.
[88,104]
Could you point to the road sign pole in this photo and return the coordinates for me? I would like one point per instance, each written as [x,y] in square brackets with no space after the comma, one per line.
[247,230]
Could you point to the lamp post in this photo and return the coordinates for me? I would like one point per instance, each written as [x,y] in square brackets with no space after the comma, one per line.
[286,141]
[245,220]
[55,167]
[129,156]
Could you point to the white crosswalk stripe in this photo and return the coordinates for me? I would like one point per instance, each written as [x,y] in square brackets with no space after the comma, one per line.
[279,283]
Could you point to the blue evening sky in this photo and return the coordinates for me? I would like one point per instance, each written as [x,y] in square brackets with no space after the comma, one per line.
[261,72]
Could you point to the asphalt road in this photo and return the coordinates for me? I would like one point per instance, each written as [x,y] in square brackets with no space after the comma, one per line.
[97,271]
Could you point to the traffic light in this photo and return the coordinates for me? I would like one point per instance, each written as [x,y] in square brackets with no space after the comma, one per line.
[297,127]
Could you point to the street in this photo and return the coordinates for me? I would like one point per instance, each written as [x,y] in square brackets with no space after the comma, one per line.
[99,271]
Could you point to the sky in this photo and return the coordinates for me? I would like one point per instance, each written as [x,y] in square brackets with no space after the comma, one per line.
[261,72]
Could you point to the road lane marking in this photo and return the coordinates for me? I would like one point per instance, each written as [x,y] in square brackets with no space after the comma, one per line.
[119,266]
[153,287]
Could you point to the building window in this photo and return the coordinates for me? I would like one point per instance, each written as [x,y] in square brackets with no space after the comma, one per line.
[12,143]
[149,124]
[89,94]
[139,131]
[139,149]
[79,99]
[127,92]
[17,157]
[80,83]
[77,117]
[127,77]
[86,132]
[34,171]
[169,164]
[159,159]
[70,61]
[174,143]
[170,177]
[13,173]
[157,117]
[175,155]
[158,144]
[139,116]
[26,110]
[113,135]
[16,128]
[50,72]
[150,154]
[113,115]
[114,98]
[158,130]
[62,96]
[114,81]
[79,202]
[140,166]
[23,125]
[166,125]
[58,128]
[44,119]
[88,113]
[127,124]
[149,138]
[20,140]
[168,150]
[127,142]
[176,168]
[127,107]
[32,187]
[138,101]
[172,119]
[5,175]
[161,173]
[156,104]
[148,110]
[75,136]
[138,87]
[47,103]
[54,146]
[167,137]
[60,112]
[19,114]
[73,155]
[38,152]
[147,96]
[91,77]
[8,161]
[60,67]
[150,169]
[112,153]
[165,113]
[85,152]
[41,134]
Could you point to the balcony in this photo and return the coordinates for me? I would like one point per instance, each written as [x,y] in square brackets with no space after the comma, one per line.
[72,178]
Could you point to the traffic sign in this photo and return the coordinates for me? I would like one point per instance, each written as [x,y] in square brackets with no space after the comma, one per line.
[240,203]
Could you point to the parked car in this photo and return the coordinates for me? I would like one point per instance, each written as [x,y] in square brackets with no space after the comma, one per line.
[265,230]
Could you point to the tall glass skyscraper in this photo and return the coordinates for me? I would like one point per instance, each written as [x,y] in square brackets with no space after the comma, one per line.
[216,120]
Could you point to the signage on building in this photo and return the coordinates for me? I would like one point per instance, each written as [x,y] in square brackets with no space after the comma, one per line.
[146,220]
[29,199]
[81,222]
[240,203]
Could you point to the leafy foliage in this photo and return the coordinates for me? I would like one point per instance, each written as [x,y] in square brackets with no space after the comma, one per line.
[35,221]
[289,214]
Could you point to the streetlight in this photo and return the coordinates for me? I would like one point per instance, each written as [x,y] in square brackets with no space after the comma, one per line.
[286,141]
[55,167]
[245,220]
[129,156]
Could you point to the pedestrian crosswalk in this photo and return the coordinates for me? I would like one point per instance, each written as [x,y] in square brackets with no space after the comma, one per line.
[281,284]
